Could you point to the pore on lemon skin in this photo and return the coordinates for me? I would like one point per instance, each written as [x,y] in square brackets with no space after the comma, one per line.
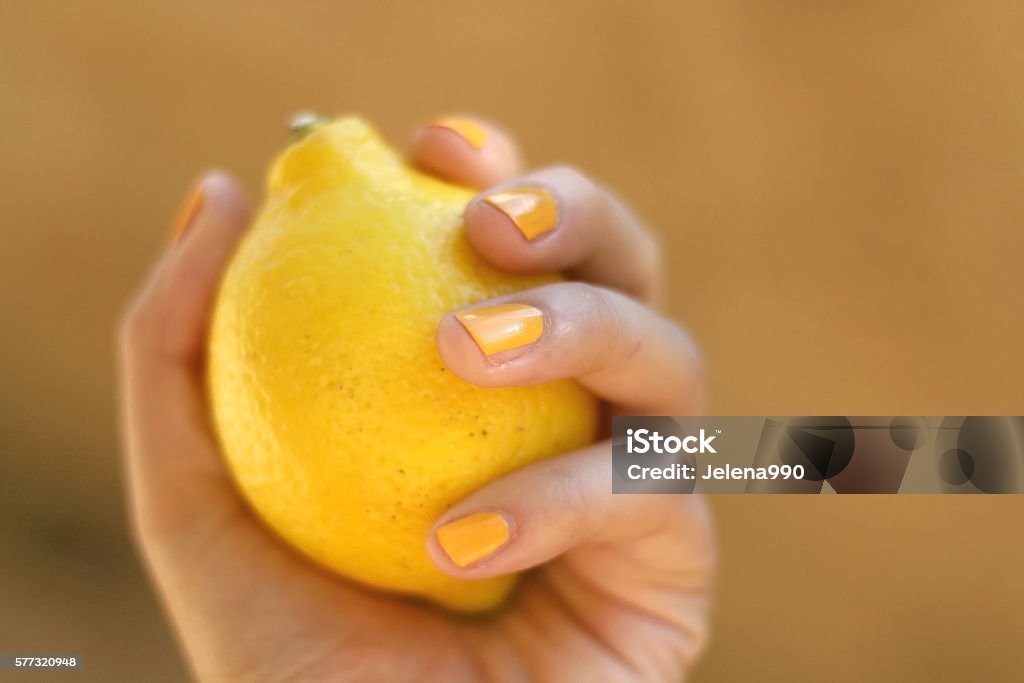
[340,423]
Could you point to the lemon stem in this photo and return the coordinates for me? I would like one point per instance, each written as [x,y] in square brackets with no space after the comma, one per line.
[303,124]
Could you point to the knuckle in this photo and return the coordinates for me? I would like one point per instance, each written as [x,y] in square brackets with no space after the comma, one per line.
[156,535]
[149,531]
[691,381]
[161,523]
[601,330]
[614,333]
[621,343]
[598,314]
[651,253]
[143,323]
[572,177]
[564,172]
[564,485]
[645,252]
[141,327]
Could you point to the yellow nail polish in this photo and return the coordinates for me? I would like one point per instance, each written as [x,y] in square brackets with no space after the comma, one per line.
[503,327]
[471,132]
[187,213]
[473,538]
[532,209]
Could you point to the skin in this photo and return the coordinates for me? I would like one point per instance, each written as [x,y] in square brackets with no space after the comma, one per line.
[621,584]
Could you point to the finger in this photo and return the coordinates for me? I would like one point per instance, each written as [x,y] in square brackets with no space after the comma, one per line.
[557,219]
[170,447]
[619,349]
[626,563]
[466,150]
[537,513]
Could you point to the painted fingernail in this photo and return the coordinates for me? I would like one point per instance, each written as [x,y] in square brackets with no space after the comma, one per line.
[473,538]
[187,214]
[503,327]
[472,133]
[532,209]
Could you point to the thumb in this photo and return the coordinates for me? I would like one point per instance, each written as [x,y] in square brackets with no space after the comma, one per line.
[541,511]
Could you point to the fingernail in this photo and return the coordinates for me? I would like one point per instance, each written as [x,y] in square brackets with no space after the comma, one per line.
[473,538]
[187,213]
[503,327]
[471,132]
[532,209]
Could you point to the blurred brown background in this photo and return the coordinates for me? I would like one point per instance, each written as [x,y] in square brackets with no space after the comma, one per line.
[839,189]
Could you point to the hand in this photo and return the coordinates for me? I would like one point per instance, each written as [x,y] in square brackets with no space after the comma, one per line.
[622,584]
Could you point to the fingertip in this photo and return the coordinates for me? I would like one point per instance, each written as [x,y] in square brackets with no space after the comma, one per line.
[224,194]
[440,559]
[468,130]
[466,150]
[463,544]
[496,237]
[460,353]
[527,226]
[522,519]
[444,562]
[215,193]
[493,345]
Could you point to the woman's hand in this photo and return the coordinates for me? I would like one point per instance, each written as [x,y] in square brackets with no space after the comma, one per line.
[621,588]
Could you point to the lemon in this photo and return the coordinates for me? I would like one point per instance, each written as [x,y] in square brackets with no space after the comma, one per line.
[341,425]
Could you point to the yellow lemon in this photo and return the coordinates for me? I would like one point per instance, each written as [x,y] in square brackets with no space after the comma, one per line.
[343,428]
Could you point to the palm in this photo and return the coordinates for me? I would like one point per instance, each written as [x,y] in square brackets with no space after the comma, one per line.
[602,612]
